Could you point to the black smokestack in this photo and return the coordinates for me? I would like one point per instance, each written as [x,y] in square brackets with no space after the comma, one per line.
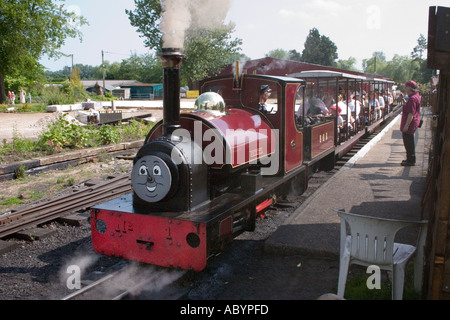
[171,61]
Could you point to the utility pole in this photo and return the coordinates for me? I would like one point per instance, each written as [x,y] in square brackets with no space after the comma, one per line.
[103,67]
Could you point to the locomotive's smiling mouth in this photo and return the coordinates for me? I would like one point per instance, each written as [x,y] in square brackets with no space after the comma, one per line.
[150,188]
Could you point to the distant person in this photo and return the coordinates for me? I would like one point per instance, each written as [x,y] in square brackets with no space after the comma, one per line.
[13,98]
[10,97]
[374,106]
[410,122]
[22,95]
[264,95]
[401,99]
[29,97]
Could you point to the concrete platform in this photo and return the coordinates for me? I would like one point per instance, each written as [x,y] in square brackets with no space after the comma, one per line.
[372,183]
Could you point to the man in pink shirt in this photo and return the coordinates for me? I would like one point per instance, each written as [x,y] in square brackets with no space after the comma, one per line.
[410,122]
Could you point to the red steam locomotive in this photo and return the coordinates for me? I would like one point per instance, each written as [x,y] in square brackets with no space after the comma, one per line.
[202,178]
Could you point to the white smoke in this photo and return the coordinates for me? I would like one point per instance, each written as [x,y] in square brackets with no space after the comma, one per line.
[138,279]
[180,15]
[82,261]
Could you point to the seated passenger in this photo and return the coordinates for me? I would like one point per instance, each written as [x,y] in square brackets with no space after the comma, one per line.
[351,103]
[340,121]
[354,99]
[381,102]
[328,100]
[264,95]
[342,104]
[375,109]
[318,108]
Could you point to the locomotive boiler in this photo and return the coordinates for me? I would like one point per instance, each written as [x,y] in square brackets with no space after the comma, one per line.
[202,178]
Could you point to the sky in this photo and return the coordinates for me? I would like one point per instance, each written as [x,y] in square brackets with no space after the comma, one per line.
[358,28]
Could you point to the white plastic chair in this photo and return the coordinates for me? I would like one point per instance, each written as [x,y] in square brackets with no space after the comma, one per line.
[369,241]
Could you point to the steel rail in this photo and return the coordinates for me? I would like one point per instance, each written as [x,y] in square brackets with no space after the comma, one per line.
[91,286]
[53,209]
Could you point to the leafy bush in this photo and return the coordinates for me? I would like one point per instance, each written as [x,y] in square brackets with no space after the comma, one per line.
[135,130]
[29,108]
[55,96]
[63,134]
[18,145]
[108,135]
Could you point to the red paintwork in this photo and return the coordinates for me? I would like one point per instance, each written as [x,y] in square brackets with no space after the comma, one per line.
[248,137]
[127,234]
[322,139]
[294,139]
[264,205]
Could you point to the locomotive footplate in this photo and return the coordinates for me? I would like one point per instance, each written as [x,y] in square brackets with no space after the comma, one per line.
[177,240]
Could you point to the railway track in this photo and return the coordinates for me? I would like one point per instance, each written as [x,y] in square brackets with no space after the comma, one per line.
[80,197]
[130,281]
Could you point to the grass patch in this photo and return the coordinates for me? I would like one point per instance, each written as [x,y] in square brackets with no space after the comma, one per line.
[12,202]
[357,289]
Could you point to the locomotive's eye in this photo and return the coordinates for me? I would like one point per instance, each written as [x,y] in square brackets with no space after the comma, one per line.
[143,171]
[156,170]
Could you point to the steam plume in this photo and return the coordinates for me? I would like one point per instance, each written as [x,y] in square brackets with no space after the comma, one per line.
[180,15]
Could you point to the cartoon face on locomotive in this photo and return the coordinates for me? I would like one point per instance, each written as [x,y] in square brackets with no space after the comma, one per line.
[203,177]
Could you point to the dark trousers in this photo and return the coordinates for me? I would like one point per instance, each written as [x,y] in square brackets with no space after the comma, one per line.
[410,146]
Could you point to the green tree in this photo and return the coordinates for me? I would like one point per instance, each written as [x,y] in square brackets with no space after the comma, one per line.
[424,74]
[319,49]
[421,48]
[294,55]
[279,54]
[146,18]
[145,68]
[348,64]
[75,78]
[30,29]
[207,50]
[376,64]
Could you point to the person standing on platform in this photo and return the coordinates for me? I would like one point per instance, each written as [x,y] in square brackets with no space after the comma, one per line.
[411,122]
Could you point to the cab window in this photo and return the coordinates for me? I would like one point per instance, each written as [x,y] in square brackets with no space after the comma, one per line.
[262,95]
[268,99]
